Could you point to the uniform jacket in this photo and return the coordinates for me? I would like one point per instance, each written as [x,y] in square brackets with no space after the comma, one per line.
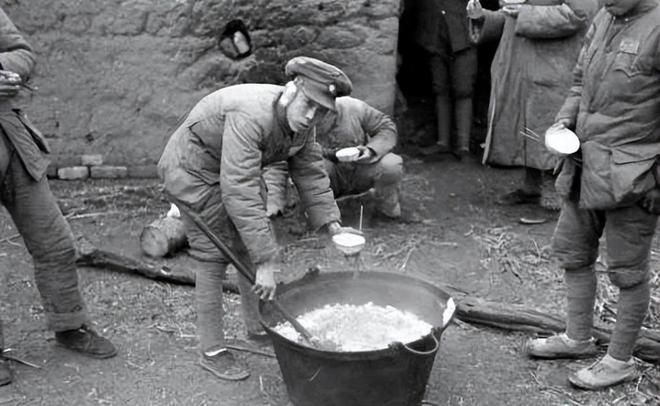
[225,141]
[614,104]
[16,56]
[441,26]
[357,123]
[530,74]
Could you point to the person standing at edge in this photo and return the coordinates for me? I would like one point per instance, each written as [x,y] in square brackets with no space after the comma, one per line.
[27,197]
[614,108]
[539,42]
[442,32]
[213,163]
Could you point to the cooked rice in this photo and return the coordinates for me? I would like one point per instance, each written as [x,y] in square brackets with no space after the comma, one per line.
[358,328]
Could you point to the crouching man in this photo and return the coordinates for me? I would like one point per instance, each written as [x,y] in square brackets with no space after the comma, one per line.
[213,163]
[357,141]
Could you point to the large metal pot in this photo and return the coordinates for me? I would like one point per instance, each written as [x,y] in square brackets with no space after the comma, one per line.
[393,376]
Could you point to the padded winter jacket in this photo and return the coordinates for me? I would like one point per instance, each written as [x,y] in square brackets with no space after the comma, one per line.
[614,106]
[16,56]
[224,143]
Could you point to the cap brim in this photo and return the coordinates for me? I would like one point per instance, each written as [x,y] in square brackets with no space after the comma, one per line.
[311,90]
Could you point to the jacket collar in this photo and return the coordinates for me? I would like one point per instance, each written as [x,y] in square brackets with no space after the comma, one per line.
[280,117]
[640,9]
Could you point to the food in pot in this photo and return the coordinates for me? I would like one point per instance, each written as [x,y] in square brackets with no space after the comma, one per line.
[364,327]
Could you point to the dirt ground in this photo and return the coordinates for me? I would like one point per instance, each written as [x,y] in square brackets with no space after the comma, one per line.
[465,241]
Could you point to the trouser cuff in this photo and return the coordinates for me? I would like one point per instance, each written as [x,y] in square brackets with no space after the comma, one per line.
[66,321]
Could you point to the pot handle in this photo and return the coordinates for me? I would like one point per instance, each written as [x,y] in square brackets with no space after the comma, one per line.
[429,352]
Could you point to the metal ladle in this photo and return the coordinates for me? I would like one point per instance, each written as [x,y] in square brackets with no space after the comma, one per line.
[351,250]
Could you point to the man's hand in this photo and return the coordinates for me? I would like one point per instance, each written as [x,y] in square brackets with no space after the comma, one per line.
[511,10]
[651,202]
[9,84]
[365,156]
[264,284]
[336,228]
[329,154]
[474,10]
[563,122]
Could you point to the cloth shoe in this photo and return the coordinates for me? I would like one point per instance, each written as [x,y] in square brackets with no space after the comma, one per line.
[6,375]
[86,341]
[518,196]
[604,373]
[434,150]
[224,365]
[392,212]
[560,346]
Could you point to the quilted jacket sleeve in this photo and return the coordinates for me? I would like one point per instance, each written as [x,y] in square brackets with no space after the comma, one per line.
[15,52]
[308,173]
[381,130]
[555,21]
[571,106]
[240,185]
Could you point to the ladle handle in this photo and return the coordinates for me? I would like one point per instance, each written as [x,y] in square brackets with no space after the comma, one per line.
[429,352]
[240,266]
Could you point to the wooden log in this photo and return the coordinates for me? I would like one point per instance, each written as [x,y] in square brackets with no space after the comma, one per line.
[92,256]
[525,319]
[164,236]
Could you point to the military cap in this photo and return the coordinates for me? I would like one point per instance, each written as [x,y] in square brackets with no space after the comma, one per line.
[319,81]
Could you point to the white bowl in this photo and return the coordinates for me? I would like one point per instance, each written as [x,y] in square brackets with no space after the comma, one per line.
[561,140]
[349,243]
[348,154]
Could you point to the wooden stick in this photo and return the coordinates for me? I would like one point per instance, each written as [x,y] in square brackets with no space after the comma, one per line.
[361,211]
[11,237]
[92,256]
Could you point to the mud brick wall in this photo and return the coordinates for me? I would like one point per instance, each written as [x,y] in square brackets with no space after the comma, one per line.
[114,77]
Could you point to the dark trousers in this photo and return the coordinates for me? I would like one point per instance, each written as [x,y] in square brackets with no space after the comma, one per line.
[210,267]
[48,238]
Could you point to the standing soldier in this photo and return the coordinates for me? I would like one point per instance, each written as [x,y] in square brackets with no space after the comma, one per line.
[213,163]
[27,197]
[614,108]
[442,32]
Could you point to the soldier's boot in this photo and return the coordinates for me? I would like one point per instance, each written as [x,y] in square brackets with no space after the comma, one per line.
[463,120]
[86,341]
[530,193]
